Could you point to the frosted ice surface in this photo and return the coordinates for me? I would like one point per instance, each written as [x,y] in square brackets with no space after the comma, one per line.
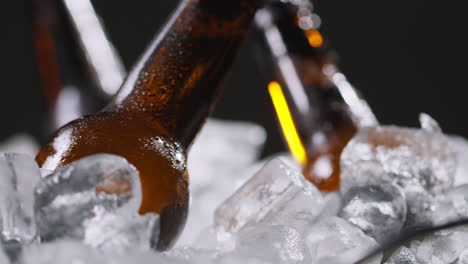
[218,163]
[3,257]
[72,199]
[277,194]
[191,255]
[20,143]
[335,240]
[403,255]
[427,210]
[211,239]
[61,252]
[270,244]
[443,246]
[13,248]
[118,232]
[19,174]
[409,157]
[332,204]
[420,208]
[463,258]
[379,210]
[460,146]
[75,252]
[223,148]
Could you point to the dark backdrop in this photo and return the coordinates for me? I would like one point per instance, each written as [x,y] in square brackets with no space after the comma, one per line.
[406,56]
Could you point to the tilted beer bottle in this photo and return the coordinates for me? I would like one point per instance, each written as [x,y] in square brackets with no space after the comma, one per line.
[319,111]
[78,66]
[161,106]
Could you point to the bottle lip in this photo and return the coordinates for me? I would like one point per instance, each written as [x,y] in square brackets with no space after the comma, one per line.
[284,19]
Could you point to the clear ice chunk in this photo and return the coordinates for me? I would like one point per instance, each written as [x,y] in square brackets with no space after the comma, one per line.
[263,243]
[379,210]
[403,255]
[410,157]
[443,246]
[19,174]
[218,163]
[335,240]
[96,191]
[277,194]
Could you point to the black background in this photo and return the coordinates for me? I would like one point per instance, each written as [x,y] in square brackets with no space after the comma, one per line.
[406,56]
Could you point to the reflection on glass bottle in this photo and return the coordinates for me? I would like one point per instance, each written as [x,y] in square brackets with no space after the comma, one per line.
[78,66]
[318,109]
[164,101]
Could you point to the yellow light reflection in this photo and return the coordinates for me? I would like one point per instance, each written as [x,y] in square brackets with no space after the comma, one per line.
[315,37]
[287,124]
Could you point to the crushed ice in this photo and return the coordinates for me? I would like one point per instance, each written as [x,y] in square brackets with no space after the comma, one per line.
[394,180]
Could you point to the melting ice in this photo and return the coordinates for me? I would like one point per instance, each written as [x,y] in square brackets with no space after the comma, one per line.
[243,210]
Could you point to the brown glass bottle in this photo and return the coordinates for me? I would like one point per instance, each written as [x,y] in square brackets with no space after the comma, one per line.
[161,106]
[78,66]
[325,108]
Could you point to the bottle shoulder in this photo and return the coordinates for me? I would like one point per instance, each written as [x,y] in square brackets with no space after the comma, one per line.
[129,136]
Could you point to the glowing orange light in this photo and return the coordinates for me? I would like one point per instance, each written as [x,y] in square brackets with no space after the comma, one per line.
[287,124]
[314,37]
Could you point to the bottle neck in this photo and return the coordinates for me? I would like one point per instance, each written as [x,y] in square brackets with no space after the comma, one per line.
[176,81]
[59,58]
[305,68]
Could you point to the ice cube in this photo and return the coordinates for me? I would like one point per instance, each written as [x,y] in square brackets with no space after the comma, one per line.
[72,199]
[277,194]
[19,174]
[403,255]
[409,157]
[379,210]
[218,163]
[20,143]
[334,240]
[266,243]
[443,246]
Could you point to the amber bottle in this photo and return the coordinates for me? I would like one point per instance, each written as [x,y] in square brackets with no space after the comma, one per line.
[161,106]
[324,108]
[78,66]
